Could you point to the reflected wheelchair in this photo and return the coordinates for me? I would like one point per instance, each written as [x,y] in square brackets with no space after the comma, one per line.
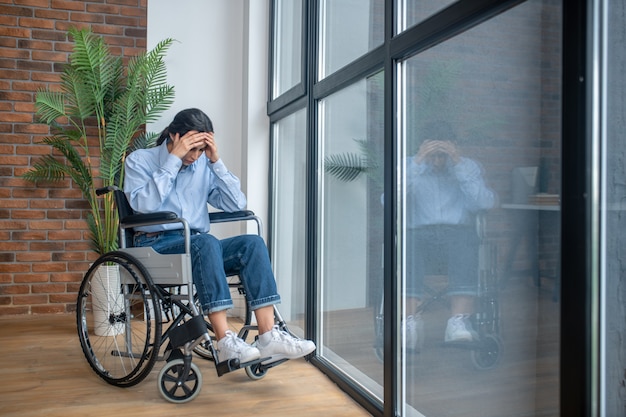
[136,306]
[486,351]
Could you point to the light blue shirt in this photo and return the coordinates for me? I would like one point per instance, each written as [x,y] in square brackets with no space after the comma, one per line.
[155,180]
[451,196]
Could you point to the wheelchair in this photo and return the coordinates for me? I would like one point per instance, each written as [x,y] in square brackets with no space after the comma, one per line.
[486,351]
[136,307]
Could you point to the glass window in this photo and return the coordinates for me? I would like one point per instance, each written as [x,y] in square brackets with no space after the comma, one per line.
[351,230]
[411,12]
[289,215]
[614,208]
[287,57]
[480,215]
[348,29]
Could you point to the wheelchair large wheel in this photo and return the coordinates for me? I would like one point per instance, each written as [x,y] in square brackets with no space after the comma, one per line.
[118,319]
[488,355]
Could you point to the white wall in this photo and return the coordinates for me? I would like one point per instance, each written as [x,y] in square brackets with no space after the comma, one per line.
[219,64]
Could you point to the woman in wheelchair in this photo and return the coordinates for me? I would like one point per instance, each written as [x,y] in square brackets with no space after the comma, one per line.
[182,174]
[445,192]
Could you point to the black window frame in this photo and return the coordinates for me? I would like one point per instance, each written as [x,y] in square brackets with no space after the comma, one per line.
[578,368]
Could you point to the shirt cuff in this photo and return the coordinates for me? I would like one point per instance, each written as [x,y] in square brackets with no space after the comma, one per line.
[173,164]
[218,167]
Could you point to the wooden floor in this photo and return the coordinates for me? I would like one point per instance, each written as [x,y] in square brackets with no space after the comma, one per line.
[43,373]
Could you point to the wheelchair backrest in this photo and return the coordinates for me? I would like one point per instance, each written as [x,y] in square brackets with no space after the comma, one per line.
[124,210]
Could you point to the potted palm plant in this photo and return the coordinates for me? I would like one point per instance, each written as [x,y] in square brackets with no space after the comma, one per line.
[100,99]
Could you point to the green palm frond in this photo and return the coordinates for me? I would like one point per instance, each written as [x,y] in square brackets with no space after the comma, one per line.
[143,141]
[346,166]
[47,169]
[50,105]
[96,86]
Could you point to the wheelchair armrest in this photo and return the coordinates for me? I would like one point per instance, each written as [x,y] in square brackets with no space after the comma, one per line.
[223,216]
[145,219]
[236,216]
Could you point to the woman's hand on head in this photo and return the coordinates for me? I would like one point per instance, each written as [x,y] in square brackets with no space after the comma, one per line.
[211,148]
[181,145]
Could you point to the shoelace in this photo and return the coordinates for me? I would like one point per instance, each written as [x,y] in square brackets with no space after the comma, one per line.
[283,335]
[232,341]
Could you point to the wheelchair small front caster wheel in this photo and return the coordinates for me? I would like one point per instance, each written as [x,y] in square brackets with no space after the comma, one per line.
[255,372]
[178,388]
[488,354]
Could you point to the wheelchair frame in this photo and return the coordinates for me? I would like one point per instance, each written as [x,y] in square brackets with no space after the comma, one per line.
[127,296]
[486,351]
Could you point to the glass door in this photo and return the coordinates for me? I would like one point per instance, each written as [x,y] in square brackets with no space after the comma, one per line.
[479,219]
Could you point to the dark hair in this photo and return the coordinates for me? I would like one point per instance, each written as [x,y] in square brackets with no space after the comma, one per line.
[184,121]
[439,130]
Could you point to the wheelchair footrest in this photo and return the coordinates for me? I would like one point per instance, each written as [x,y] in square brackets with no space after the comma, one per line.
[234,364]
[188,331]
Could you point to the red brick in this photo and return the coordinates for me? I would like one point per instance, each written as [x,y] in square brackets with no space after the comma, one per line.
[67,277]
[68,256]
[14,289]
[15,32]
[14,267]
[27,22]
[34,3]
[67,5]
[45,225]
[15,118]
[52,14]
[49,267]
[13,225]
[46,246]
[57,298]
[16,11]
[104,8]
[8,20]
[30,278]
[63,214]
[47,204]
[28,214]
[47,288]
[33,257]
[24,236]
[12,310]
[87,17]
[30,299]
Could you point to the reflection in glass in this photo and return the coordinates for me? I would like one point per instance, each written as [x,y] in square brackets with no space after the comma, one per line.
[411,12]
[614,182]
[289,211]
[348,29]
[287,56]
[480,129]
[351,229]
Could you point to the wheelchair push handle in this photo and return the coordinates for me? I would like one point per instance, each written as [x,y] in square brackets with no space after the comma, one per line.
[104,190]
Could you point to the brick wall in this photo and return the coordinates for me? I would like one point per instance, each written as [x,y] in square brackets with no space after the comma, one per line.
[44,244]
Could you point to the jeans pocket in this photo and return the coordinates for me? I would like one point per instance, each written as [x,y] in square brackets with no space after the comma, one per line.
[144,240]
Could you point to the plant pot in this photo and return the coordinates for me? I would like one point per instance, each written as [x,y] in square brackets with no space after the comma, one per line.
[107,301]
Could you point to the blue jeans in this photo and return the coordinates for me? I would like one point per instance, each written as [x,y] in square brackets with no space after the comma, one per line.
[443,249]
[213,259]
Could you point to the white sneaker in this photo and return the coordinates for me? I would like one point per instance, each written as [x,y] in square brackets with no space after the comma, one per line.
[459,329]
[282,345]
[231,346]
[414,326]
